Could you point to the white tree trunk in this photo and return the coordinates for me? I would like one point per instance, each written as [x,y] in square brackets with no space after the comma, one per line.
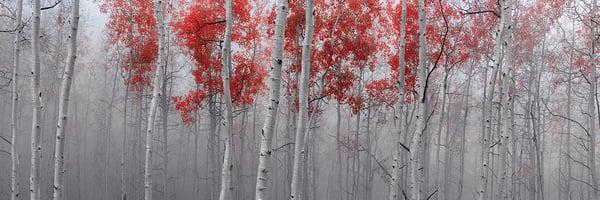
[164,118]
[299,154]
[156,95]
[505,104]
[394,186]
[36,97]
[592,128]
[262,176]
[487,133]
[416,145]
[227,168]
[592,107]
[63,107]
[14,181]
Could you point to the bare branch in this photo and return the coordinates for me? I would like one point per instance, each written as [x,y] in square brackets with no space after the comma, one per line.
[52,6]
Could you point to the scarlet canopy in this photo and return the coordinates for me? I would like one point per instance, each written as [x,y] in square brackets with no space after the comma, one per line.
[131,24]
[200,31]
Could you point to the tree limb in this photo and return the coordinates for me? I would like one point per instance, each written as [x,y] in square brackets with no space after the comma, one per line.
[52,6]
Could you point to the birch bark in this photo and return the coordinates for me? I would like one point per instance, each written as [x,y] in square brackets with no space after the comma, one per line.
[63,106]
[299,150]
[36,97]
[505,103]
[262,176]
[14,182]
[227,168]
[487,110]
[394,183]
[156,95]
[124,142]
[416,146]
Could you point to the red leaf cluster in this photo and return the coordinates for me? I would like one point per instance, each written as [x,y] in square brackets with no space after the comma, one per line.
[200,31]
[132,25]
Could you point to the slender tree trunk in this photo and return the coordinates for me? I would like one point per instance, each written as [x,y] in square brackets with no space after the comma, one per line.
[505,104]
[124,142]
[299,153]
[227,168]
[292,116]
[591,105]
[63,106]
[165,124]
[106,138]
[338,139]
[513,136]
[368,165]
[487,110]
[416,147]
[14,156]
[195,170]
[537,134]
[254,162]
[531,188]
[262,176]
[483,141]
[156,95]
[505,101]
[36,97]
[356,153]
[240,165]
[592,129]
[439,183]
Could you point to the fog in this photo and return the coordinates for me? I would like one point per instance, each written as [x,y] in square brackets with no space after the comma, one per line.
[500,103]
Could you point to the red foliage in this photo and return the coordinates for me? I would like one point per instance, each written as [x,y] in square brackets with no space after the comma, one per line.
[132,25]
[382,92]
[348,45]
[201,30]
[188,104]
[343,45]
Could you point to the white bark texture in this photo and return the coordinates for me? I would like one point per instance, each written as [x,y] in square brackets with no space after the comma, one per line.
[262,176]
[227,168]
[299,150]
[14,181]
[63,107]
[36,97]
[394,186]
[160,65]
[497,61]
[505,103]
[416,146]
